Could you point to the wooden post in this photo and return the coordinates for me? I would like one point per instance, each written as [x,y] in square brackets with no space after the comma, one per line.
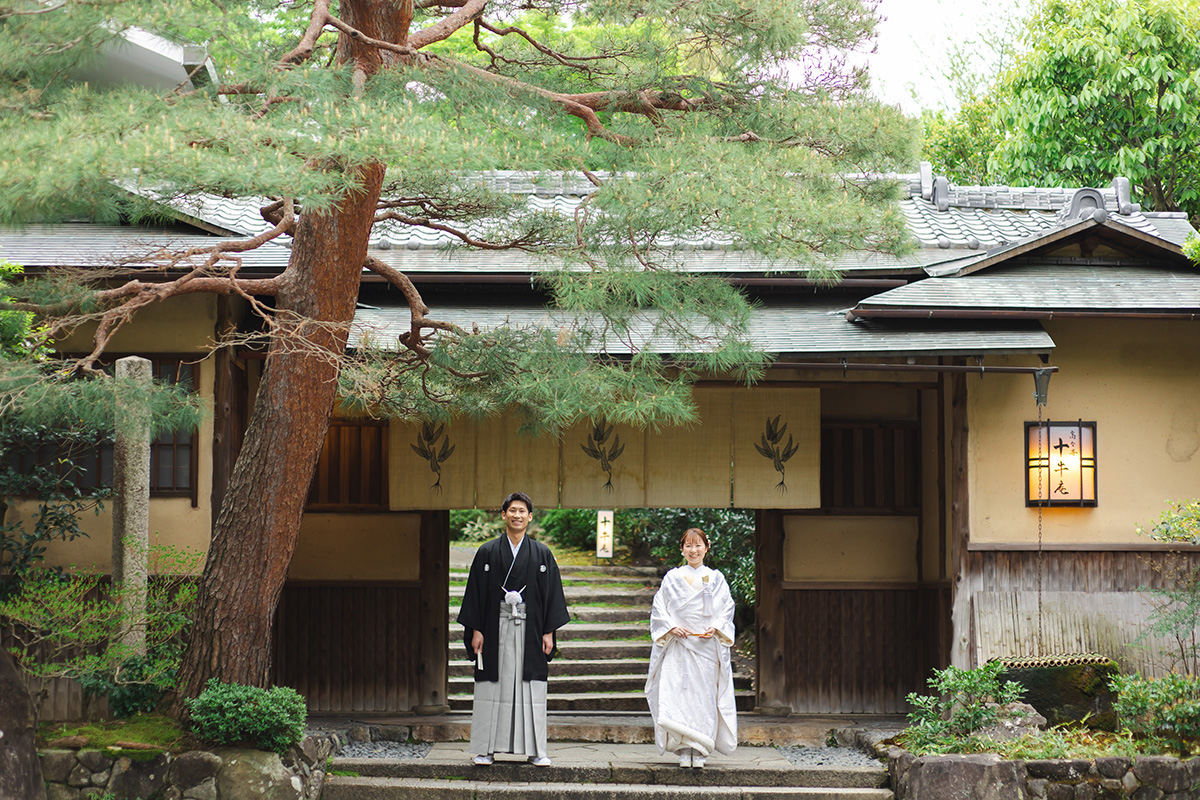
[229,402]
[432,684]
[131,508]
[773,696]
[960,614]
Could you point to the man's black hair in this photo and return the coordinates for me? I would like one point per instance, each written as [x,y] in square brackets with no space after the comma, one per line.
[524,498]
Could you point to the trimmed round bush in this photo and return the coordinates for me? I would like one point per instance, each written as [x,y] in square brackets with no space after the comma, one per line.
[233,714]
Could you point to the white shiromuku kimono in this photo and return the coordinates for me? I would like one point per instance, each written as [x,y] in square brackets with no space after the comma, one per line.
[690,685]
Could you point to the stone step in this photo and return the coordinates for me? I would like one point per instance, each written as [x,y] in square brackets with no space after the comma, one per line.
[603,631]
[569,683]
[590,594]
[596,614]
[346,788]
[577,649]
[614,728]
[588,579]
[597,702]
[582,648]
[460,667]
[589,571]
[584,613]
[660,772]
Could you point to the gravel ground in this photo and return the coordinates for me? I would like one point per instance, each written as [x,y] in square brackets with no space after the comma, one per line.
[827,757]
[383,749]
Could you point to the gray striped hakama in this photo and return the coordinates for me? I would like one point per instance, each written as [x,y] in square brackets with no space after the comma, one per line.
[509,716]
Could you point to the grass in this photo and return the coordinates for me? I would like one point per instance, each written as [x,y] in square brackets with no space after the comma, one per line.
[152,729]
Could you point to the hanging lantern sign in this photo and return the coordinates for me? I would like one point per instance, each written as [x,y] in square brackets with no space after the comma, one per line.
[604,534]
[1060,463]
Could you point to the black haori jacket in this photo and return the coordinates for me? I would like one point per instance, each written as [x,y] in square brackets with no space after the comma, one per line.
[545,605]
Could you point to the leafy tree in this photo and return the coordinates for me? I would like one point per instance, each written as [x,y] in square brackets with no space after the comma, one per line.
[959,145]
[38,405]
[1107,88]
[676,120]
[1175,607]
[656,532]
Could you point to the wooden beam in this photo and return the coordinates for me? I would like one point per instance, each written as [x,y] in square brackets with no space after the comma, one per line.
[432,683]
[774,697]
[960,615]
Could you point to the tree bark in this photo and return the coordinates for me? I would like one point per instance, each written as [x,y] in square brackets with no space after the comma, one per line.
[259,521]
[20,770]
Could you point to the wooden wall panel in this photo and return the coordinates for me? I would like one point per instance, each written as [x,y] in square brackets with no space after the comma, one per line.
[861,651]
[1071,570]
[1090,602]
[334,645]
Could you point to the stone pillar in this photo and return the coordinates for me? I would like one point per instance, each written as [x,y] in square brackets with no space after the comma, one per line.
[131,506]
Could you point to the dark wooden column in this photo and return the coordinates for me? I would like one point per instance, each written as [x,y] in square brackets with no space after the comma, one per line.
[773,695]
[230,404]
[432,683]
[960,524]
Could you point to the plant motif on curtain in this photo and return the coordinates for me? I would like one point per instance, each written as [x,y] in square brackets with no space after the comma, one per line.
[427,448]
[597,447]
[778,454]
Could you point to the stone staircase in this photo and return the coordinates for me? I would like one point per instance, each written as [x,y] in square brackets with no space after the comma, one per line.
[604,651]
[584,772]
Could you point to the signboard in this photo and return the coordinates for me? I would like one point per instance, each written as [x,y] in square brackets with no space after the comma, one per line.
[604,534]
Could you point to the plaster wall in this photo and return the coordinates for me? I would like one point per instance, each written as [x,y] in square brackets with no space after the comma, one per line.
[1136,379]
[850,549]
[182,324]
[173,520]
[332,548]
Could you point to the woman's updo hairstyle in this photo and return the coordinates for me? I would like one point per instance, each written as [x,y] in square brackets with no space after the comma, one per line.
[698,532]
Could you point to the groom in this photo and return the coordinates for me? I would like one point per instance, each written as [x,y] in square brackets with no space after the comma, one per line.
[511,608]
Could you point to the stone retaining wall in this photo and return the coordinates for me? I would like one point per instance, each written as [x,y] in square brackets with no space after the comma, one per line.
[985,775]
[224,774]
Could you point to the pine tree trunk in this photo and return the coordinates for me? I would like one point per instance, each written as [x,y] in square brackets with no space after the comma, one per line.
[259,521]
[20,770]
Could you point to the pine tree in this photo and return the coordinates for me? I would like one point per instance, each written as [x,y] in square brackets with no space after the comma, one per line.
[737,119]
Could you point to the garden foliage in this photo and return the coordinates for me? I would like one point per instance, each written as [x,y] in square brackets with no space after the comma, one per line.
[964,702]
[1176,605]
[70,624]
[233,714]
[1164,713]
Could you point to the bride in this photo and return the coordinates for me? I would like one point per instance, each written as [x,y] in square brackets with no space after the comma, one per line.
[690,685]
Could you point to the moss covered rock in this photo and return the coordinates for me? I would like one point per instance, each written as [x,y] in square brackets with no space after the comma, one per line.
[1068,692]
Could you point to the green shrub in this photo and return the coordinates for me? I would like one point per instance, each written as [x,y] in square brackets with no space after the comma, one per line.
[133,688]
[964,702]
[1164,711]
[570,527]
[230,714]
[474,525]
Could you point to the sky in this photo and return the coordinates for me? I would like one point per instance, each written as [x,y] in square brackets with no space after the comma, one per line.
[913,45]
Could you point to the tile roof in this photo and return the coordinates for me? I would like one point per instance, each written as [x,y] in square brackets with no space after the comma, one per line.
[956,222]
[798,329]
[984,227]
[1052,287]
[91,245]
